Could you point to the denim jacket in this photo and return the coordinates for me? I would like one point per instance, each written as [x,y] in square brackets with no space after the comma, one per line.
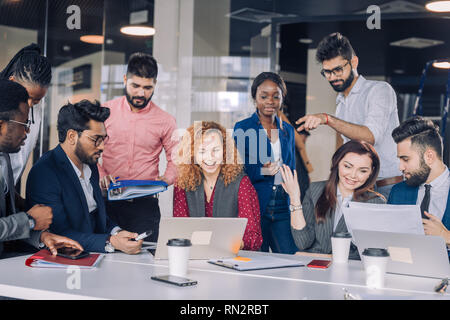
[257,152]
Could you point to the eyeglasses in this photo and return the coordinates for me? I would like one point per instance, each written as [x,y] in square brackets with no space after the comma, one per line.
[98,140]
[338,71]
[27,124]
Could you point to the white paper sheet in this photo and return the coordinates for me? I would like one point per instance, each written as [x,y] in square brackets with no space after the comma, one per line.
[383,217]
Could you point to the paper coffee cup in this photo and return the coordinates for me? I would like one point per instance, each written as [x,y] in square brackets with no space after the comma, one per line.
[375,261]
[340,244]
[178,251]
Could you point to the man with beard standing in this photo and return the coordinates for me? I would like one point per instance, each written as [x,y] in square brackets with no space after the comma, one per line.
[427,178]
[67,180]
[366,109]
[138,130]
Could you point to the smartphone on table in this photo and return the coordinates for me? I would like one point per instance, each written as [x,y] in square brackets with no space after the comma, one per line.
[71,253]
[178,281]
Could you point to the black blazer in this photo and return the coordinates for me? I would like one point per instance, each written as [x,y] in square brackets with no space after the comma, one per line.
[316,237]
[52,181]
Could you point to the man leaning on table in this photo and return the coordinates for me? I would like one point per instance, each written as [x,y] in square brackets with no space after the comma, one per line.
[14,225]
[66,179]
[427,178]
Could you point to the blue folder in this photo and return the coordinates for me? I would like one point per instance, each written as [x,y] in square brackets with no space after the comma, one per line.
[130,189]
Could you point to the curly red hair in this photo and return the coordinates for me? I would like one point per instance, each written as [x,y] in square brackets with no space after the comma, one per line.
[190,173]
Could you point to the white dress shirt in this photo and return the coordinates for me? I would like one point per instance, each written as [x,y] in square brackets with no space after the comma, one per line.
[86,185]
[340,203]
[373,104]
[276,154]
[19,160]
[88,190]
[438,194]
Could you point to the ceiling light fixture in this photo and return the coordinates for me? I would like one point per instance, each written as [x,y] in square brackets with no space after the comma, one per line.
[441,64]
[92,39]
[438,6]
[141,31]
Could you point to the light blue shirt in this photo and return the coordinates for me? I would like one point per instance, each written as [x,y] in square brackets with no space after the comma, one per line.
[438,194]
[373,104]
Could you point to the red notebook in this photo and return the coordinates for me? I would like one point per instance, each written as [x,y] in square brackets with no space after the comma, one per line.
[44,259]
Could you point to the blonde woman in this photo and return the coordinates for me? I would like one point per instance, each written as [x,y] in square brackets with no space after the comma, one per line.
[212,183]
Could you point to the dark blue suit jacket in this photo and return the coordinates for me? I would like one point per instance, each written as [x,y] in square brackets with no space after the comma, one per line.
[253,162]
[401,193]
[52,181]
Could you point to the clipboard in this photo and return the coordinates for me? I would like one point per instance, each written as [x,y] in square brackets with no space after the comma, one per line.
[255,263]
[131,189]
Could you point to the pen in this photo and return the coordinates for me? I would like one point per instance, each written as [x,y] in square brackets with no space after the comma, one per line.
[143,235]
[441,286]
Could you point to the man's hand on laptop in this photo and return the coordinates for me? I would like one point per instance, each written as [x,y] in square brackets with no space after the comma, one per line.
[122,241]
[434,227]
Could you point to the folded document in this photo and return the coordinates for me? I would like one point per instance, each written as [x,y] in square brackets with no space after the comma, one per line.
[129,189]
[383,217]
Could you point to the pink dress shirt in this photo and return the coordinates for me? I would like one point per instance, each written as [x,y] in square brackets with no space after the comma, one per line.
[136,140]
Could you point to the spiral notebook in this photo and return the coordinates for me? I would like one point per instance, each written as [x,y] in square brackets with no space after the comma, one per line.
[44,259]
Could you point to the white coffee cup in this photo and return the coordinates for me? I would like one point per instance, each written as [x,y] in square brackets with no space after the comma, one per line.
[178,250]
[340,246]
[375,262]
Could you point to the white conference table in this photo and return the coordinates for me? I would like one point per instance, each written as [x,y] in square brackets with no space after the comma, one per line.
[121,276]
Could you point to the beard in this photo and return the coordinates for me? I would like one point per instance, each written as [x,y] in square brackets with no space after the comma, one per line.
[420,176]
[84,157]
[8,145]
[137,105]
[347,83]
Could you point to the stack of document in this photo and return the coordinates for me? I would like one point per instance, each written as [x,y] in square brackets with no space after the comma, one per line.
[129,189]
[44,259]
[383,217]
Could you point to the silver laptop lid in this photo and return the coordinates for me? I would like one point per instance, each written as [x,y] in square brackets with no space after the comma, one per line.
[211,238]
[410,254]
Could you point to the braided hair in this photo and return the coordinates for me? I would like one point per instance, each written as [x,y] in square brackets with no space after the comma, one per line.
[29,66]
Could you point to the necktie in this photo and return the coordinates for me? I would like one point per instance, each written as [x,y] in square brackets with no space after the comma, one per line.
[426,201]
[10,183]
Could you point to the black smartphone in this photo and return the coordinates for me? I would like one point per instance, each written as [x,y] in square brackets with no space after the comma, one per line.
[71,253]
[321,264]
[178,281]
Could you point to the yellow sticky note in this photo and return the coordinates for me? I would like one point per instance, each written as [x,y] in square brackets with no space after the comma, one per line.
[400,254]
[242,259]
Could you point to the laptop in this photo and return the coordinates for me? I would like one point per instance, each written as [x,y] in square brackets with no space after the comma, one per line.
[212,238]
[410,254]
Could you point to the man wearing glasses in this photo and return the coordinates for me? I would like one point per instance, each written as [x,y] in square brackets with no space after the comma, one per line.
[366,109]
[31,226]
[67,179]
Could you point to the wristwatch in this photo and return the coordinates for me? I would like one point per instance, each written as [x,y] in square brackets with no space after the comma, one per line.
[108,246]
[294,208]
[31,221]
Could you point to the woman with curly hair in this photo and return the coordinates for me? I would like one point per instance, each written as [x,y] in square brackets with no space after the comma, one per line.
[211,181]
[266,142]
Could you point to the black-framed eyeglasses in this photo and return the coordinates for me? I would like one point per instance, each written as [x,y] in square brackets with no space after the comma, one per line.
[98,140]
[27,124]
[338,71]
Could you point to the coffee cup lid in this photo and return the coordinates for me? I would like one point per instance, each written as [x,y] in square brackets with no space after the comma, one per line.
[179,242]
[341,235]
[375,252]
